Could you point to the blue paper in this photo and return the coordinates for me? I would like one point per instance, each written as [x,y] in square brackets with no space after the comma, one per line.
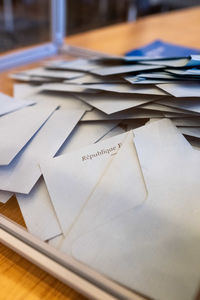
[160,49]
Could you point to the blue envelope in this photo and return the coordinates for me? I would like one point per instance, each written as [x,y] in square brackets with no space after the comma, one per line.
[161,49]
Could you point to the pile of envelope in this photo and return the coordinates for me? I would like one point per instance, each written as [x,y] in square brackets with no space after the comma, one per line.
[94,151]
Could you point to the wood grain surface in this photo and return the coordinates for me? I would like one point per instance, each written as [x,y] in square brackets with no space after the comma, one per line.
[20,279]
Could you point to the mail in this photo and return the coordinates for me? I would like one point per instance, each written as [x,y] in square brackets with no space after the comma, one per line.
[103,157]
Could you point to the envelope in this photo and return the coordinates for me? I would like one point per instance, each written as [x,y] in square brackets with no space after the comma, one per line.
[41,72]
[9,104]
[65,87]
[96,115]
[23,172]
[191,61]
[181,90]
[191,131]
[86,133]
[5,196]
[152,247]
[38,200]
[159,107]
[125,88]
[80,64]
[70,178]
[187,122]
[113,102]
[38,212]
[24,90]
[64,100]
[120,69]
[18,127]
[160,49]
[91,78]
[186,104]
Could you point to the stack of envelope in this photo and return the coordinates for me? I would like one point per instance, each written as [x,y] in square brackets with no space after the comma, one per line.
[103,157]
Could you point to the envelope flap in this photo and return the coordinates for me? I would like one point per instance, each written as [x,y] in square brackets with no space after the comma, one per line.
[159,145]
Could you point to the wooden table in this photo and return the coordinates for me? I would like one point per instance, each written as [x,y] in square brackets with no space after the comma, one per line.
[20,279]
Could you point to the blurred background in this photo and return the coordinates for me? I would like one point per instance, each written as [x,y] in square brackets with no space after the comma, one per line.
[28,22]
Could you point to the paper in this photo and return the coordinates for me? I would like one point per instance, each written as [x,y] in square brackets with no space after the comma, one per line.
[85,134]
[70,178]
[165,225]
[18,127]
[5,196]
[159,107]
[126,88]
[76,64]
[191,131]
[96,115]
[187,104]
[188,122]
[64,100]
[41,72]
[23,91]
[38,212]
[181,90]
[109,197]
[120,69]
[112,102]
[162,49]
[23,172]
[9,104]
[65,87]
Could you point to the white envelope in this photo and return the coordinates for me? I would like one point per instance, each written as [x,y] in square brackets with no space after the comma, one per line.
[191,131]
[70,178]
[64,100]
[23,172]
[120,69]
[5,196]
[152,248]
[9,104]
[157,106]
[41,72]
[123,88]
[112,102]
[187,104]
[65,87]
[187,122]
[86,133]
[18,127]
[96,115]
[38,212]
[38,200]
[91,78]
[80,64]
[24,90]
[181,90]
